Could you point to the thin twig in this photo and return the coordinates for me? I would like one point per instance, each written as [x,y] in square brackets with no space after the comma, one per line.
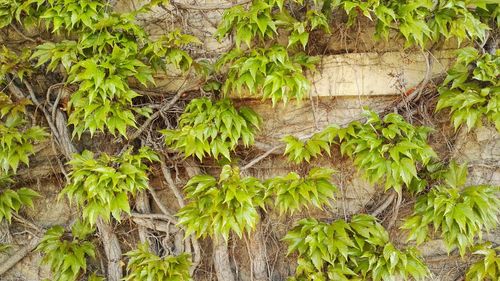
[155,115]
[383,206]
[165,217]
[155,224]
[170,182]
[421,86]
[22,34]
[261,157]
[207,7]
[158,202]
[396,210]
[19,255]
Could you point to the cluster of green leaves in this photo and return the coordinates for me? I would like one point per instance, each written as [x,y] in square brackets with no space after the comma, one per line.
[299,150]
[11,201]
[101,185]
[271,72]
[274,72]
[4,247]
[488,267]
[387,150]
[144,265]
[16,141]
[458,215]
[15,63]
[421,22]
[293,192]
[111,49]
[358,250]
[67,256]
[218,206]
[16,145]
[471,89]
[11,10]
[263,19]
[212,128]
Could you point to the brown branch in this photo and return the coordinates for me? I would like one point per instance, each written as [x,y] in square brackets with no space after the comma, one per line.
[58,127]
[164,217]
[142,205]
[22,34]
[160,204]
[112,249]
[395,215]
[170,182]
[261,157]
[387,202]
[155,115]
[221,259]
[182,89]
[421,86]
[207,7]
[19,255]
[154,224]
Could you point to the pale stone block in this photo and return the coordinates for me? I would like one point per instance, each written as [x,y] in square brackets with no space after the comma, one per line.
[375,74]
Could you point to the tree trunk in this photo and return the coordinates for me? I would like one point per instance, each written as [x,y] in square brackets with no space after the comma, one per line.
[222,264]
[112,250]
[258,254]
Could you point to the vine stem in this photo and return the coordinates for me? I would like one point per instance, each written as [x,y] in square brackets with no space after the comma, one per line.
[19,255]
[112,249]
[395,215]
[170,182]
[208,7]
[383,206]
[155,115]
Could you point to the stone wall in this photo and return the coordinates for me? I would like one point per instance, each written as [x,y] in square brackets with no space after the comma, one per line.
[375,76]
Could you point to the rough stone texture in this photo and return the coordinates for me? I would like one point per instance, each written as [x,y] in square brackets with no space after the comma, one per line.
[480,148]
[304,118]
[363,74]
[28,269]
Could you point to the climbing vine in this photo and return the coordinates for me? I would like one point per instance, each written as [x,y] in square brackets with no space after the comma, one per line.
[99,101]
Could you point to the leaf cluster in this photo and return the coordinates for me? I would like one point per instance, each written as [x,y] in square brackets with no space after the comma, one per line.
[101,185]
[15,63]
[263,19]
[101,53]
[274,72]
[388,149]
[299,150]
[423,22]
[11,201]
[471,89]
[67,257]
[218,207]
[458,215]
[212,129]
[271,72]
[16,141]
[293,192]
[355,250]
[19,10]
[488,267]
[144,265]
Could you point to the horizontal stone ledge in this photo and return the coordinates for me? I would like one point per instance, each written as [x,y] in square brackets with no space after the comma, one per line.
[374,74]
[353,74]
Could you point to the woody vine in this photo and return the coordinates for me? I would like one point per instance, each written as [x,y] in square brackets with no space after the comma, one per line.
[97,66]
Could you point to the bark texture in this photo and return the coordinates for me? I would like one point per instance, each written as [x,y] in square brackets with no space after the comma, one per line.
[222,264]
[112,250]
